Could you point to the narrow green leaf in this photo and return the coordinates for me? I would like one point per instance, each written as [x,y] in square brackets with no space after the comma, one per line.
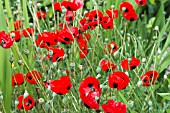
[5,67]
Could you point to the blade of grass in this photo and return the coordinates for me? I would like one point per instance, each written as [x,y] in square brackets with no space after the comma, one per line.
[5,66]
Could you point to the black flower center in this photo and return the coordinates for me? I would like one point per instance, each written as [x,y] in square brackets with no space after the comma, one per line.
[151,75]
[115,85]
[29,101]
[90,85]
[70,18]
[144,80]
[132,19]
[30,77]
[141,2]
[68,88]
[68,7]
[66,39]
[126,10]
[48,43]
[133,67]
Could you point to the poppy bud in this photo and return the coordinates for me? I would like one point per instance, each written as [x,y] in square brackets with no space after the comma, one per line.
[52,29]
[106,39]
[116,54]
[131,104]
[98,69]
[98,76]
[112,6]
[54,94]
[11,59]
[30,2]
[72,64]
[150,103]
[26,51]
[156,28]
[143,60]
[139,83]
[59,71]
[106,56]
[39,5]
[47,106]
[26,94]
[80,67]
[16,103]
[41,100]
[20,62]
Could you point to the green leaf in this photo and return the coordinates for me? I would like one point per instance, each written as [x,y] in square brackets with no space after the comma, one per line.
[168,110]
[164,63]
[165,95]
[152,2]
[5,67]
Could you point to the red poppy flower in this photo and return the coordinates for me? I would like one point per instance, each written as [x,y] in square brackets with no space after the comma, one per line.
[118,80]
[65,36]
[114,107]
[83,48]
[79,38]
[17,35]
[70,15]
[46,39]
[107,22]
[111,48]
[17,79]
[71,6]
[130,65]
[95,15]
[87,36]
[64,25]
[131,16]
[18,24]
[90,92]
[93,24]
[33,77]
[126,7]
[92,100]
[149,77]
[57,6]
[106,65]
[141,2]
[41,15]
[28,32]
[61,86]
[58,54]
[84,24]
[89,84]
[112,13]
[25,103]
[5,40]
[79,3]
[75,32]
